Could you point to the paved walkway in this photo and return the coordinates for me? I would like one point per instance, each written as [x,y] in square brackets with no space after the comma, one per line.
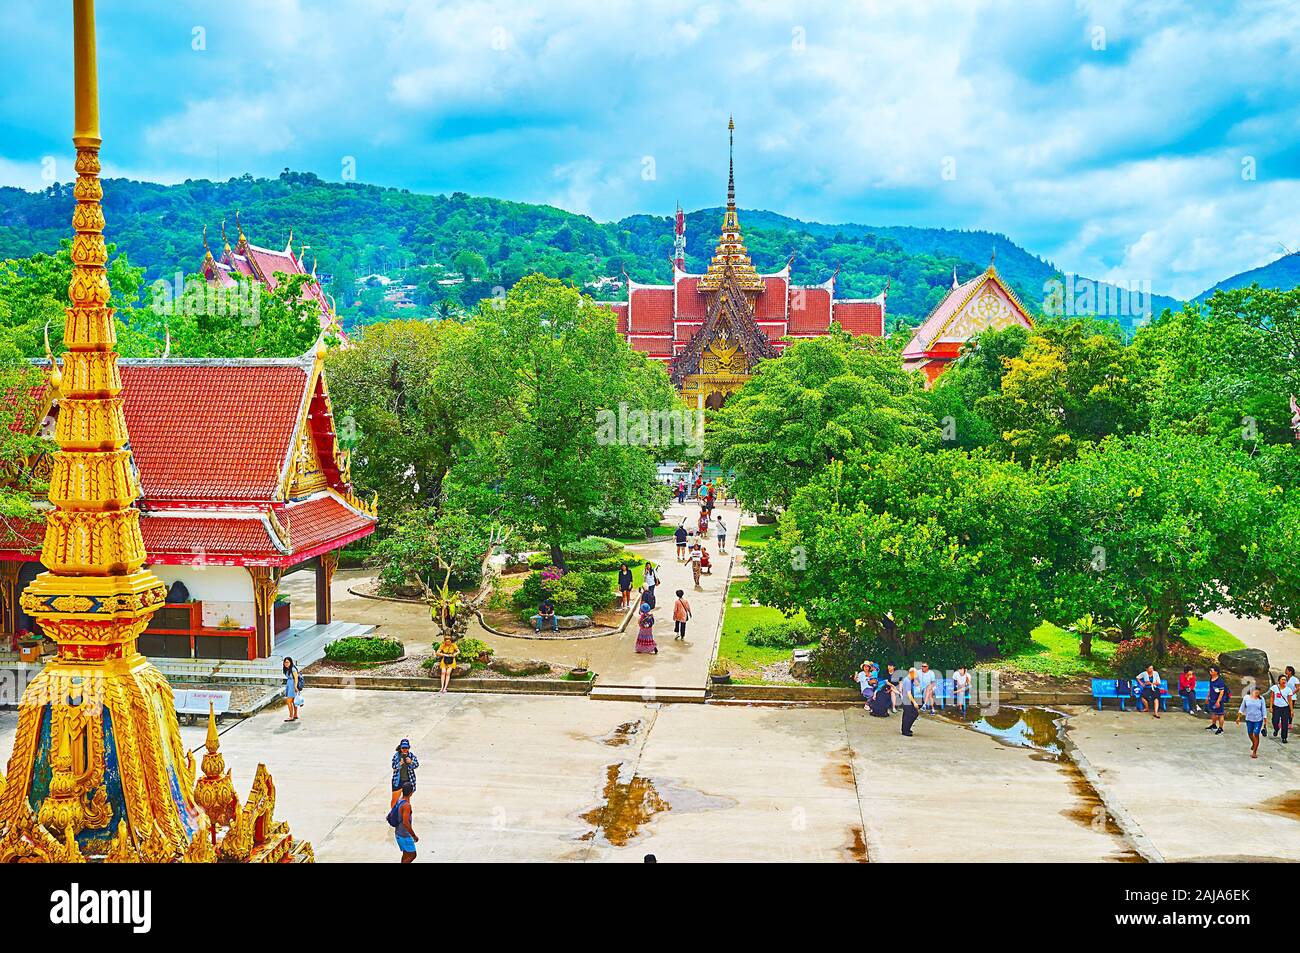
[1282,645]
[525,778]
[678,664]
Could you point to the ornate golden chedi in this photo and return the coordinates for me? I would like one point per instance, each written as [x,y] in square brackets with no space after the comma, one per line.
[98,770]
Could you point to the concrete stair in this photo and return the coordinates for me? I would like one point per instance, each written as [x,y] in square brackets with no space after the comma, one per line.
[646,694]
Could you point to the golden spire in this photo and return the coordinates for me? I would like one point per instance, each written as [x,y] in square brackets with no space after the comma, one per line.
[731,258]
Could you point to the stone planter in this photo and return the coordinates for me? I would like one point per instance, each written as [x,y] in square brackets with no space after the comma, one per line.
[579,672]
[721,679]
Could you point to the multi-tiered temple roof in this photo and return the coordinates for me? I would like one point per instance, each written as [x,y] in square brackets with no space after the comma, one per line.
[719,324]
[266,266]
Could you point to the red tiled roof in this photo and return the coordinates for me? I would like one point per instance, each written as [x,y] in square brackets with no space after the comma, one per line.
[690,302]
[771,300]
[620,313]
[651,310]
[655,347]
[218,432]
[859,317]
[171,538]
[810,310]
[315,523]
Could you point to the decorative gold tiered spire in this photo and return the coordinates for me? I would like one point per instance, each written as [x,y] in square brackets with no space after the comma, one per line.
[731,258]
[98,768]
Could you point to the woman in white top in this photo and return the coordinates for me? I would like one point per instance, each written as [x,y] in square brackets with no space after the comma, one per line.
[1282,698]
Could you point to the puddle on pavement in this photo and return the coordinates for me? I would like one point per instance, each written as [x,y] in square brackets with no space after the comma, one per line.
[1039,729]
[624,734]
[1035,728]
[1288,805]
[857,850]
[632,803]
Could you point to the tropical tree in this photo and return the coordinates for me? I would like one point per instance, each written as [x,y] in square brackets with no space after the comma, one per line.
[825,399]
[1174,525]
[400,401]
[550,372]
[948,553]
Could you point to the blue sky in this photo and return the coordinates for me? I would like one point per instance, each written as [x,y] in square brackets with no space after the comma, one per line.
[1124,140]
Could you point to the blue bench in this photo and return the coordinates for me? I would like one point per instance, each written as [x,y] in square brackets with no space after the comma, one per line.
[1103,688]
[945,692]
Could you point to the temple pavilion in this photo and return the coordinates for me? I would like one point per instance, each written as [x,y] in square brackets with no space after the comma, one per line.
[712,329]
[242,480]
[984,303]
[267,267]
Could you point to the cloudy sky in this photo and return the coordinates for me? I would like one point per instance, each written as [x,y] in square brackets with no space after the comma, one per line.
[1124,140]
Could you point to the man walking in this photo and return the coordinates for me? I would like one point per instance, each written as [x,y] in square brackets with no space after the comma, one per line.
[681,615]
[908,690]
[400,817]
[722,535]
[680,536]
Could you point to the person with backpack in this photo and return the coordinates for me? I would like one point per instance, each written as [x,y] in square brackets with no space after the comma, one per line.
[399,819]
[1216,701]
[404,764]
[292,688]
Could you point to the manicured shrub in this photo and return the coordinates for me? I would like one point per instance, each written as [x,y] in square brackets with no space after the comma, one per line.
[781,635]
[356,650]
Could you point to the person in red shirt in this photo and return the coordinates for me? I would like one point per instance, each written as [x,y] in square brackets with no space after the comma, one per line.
[1187,689]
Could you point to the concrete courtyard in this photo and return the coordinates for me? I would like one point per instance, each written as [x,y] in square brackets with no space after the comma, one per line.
[533,778]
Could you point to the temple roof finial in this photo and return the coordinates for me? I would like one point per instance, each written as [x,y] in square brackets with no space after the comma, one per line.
[731,162]
[954,276]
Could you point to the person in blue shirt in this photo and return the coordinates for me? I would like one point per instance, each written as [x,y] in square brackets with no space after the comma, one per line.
[1253,707]
[908,689]
[1216,700]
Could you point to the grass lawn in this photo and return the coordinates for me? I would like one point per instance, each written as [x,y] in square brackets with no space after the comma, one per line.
[1054,651]
[748,659]
[755,536]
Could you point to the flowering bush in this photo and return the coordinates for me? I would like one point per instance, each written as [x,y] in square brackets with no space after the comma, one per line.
[1134,655]
[572,593]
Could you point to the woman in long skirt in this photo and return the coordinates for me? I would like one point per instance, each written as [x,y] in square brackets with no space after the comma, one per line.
[645,635]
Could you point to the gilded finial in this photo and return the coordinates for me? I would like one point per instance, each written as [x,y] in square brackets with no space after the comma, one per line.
[205,241]
[239,227]
[993,258]
[313,266]
[288,246]
[224,240]
[211,743]
[954,276]
[167,345]
[731,162]
[55,376]
[321,347]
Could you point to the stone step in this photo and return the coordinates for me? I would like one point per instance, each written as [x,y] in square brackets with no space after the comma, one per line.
[647,693]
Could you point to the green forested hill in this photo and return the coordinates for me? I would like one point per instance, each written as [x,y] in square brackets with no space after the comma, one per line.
[356,229]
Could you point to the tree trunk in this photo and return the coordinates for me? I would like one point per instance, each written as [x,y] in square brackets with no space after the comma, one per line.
[1160,636]
[557,556]
[1085,645]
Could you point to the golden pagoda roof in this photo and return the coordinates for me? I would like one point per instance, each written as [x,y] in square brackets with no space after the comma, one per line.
[731,258]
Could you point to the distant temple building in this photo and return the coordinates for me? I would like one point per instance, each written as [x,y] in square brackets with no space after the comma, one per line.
[713,329]
[242,479]
[984,303]
[263,265]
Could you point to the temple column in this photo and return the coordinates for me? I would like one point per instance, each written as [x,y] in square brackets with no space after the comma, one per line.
[9,571]
[325,567]
[266,586]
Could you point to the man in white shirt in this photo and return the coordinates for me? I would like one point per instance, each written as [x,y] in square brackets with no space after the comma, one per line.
[1150,682]
[925,682]
[722,535]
